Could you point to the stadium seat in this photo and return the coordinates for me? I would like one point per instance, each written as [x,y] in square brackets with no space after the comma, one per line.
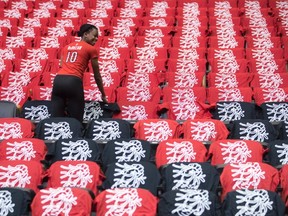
[132,175]
[236,202]
[250,175]
[126,150]
[107,129]
[228,151]
[23,149]
[189,175]
[62,200]
[156,130]
[113,201]
[54,128]
[189,201]
[204,130]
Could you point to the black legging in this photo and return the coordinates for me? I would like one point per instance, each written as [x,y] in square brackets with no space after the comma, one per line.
[68,96]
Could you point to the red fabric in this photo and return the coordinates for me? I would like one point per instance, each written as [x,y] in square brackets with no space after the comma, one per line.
[184,21]
[180,150]
[250,175]
[109,79]
[144,41]
[234,11]
[53,21]
[41,93]
[254,42]
[214,20]
[243,94]
[201,4]
[11,53]
[6,66]
[64,12]
[263,95]
[156,130]
[177,110]
[185,66]
[284,183]
[146,66]
[189,53]
[235,151]
[34,13]
[92,93]
[238,53]
[30,65]
[158,21]
[151,94]
[92,13]
[83,174]
[196,93]
[270,80]
[204,130]
[278,53]
[155,31]
[239,30]
[23,174]
[16,128]
[187,31]
[185,80]
[213,3]
[76,57]
[16,42]
[122,31]
[228,66]
[31,20]
[170,3]
[167,12]
[285,44]
[262,4]
[257,31]
[113,201]
[110,65]
[23,149]
[110,41]
[41,53]
[49,42]
[270,21]
[127,4]
[137,110]
[25,31]
[114,53]
[48,78]
[189,42]
[283,31]
[237,80]
[16,94]
[129,12]
[4,31]
[140,79]
[62,201]
[216,42]
[148,53]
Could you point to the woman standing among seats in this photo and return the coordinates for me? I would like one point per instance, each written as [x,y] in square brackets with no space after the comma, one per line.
[68,92]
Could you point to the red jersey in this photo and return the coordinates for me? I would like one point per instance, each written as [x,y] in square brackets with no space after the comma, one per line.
[75,58]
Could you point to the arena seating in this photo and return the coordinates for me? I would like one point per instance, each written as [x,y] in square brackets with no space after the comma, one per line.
[196,122]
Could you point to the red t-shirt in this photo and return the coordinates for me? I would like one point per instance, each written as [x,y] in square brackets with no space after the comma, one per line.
[75,58]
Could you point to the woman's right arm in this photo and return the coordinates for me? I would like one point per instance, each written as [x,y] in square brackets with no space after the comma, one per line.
[98,78]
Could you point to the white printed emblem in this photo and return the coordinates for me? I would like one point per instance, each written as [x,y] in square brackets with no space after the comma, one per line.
[253,202]
[129,151]
[128,176]
[122,201]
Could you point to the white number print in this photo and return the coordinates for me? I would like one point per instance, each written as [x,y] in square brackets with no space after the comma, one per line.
[71,56]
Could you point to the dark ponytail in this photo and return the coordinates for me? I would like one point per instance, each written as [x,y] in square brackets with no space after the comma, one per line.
[85,28]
